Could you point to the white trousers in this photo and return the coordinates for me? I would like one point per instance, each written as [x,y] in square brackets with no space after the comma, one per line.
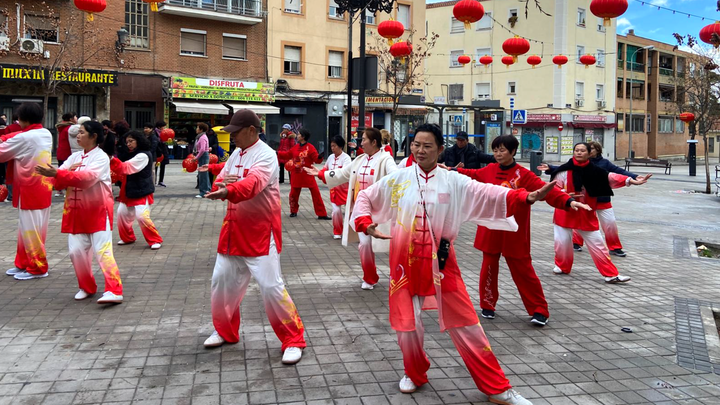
[82,247]
[32,232]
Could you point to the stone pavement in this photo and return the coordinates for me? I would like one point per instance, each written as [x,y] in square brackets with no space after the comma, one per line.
[149,350]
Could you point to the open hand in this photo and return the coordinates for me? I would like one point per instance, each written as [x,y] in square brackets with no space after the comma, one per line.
[442,166]
[220,194]
[541,193]
[204,168]
[352,144]
[640,180]
[543,167]
[47,171]
[372,231]
[313,171]
[575,205]
[230,178]
[460,165]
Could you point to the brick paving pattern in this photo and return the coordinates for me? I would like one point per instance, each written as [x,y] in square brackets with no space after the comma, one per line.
[55,350]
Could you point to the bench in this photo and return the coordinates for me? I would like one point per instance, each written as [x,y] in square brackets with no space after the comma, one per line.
[649,163]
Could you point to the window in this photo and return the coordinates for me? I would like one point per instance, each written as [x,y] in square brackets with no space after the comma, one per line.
[482,91]
[579,90]
[403,15]
[511,88]
[3,25]
[513,12]
[601,57]
[370,17]
[600,25]
[293,6]
[711,145]
[620,119]
[581,17]
[599,92]
[455,92]
[480,52]
[192,42]
[679,127]
[665,125]
[291,62]
[580,52]
[234,47]
[333,11]
[619,89]
[638,123]
[335,64]
[136,23]
[485,23]
[42,27]
[454,55]
[83,105]
[456,26]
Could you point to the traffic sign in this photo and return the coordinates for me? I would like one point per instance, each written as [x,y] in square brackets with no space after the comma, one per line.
[519,116]
[512,103]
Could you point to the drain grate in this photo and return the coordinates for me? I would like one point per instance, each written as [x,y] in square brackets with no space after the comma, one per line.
[696,335]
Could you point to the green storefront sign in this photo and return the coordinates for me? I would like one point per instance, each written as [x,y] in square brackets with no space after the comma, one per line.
[221,89]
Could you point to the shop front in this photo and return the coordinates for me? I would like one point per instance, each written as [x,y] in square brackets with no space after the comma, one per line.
[598,128]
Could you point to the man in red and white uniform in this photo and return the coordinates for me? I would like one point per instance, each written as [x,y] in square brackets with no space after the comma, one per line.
[251,241]
[32,193]
[302,155]
[338,195]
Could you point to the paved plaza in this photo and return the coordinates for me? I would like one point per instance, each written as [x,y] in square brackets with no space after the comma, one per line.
[55,350]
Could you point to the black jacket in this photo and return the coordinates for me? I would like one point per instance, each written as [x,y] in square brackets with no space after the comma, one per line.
[470,156]
[140,184]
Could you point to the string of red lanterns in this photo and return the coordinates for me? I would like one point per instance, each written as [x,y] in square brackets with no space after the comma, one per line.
[464,59]
[401,50]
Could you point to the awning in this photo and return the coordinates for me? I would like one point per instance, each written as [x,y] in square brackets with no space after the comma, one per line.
[201,108]
[256,108]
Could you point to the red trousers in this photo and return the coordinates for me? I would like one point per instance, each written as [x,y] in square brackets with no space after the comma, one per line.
[523,274]
[317,200]
[471,343]
[337,219]
[609,227]
[30,254]
[367,259]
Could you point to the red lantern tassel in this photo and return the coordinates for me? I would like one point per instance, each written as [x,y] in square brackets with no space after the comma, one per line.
[467,25]
[390,42]
[607,22]
[154,6]
[90,17]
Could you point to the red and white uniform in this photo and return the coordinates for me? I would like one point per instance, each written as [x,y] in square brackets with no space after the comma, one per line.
[606,218]
[303,155]
[514,246]
[407,162]
[424,208]
[134,208]
[32,193]
[586,224]
[338,195]
[88,217]
[250,245]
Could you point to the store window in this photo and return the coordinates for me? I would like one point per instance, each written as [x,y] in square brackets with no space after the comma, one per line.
[44,28]
[136,23]
[192,42]
[335,64]
[234,47]
[665,125]
[81,104]
[292,59]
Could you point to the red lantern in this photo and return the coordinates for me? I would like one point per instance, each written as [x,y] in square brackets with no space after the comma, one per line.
[516,46]
[560,60]
[587,60]
[607,9]
[464,60]
[507,61]
[468,11]
[90,7]
[189,165]
[687,117]
[560,127]
[3,192]
[167,134]
[486,60]
[401,50]
[213,159]
[710,34]
[390,30]
[534,60]
[154,4]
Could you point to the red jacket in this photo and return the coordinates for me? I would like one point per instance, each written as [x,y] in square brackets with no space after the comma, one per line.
[512,244]
[63,145]
[286,143]
[303,156]
[582,220]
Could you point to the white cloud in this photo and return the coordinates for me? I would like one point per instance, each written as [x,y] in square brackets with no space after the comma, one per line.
[624,25]
[662,3]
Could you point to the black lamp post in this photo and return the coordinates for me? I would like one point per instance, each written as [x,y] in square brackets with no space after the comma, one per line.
[123,39]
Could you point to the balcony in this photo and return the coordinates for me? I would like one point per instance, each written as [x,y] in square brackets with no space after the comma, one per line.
[636,67]
[666,71]
[621,64]
[248,12]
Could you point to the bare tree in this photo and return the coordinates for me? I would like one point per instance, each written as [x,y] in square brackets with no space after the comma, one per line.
[698,92]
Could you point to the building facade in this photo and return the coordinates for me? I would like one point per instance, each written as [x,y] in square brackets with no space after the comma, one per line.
[564,106]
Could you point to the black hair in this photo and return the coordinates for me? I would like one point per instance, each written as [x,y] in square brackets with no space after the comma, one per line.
[374,135]
[67,116]
[121,128]
[96,128]
[587,146]
[148,125]
[2,122]
[143,143]
[160,124]
[433,129]
[305,134]
[30,112]
[339,141]
[510,143]
[107,123]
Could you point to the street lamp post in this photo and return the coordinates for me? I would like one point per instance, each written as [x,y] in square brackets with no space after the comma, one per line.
[632,74]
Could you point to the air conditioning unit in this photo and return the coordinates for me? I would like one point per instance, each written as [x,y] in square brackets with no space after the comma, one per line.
[602,103]
[579,103]
[31,46]
[4,43]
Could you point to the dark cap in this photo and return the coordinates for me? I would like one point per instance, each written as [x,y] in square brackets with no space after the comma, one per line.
[462,135]
[242,119]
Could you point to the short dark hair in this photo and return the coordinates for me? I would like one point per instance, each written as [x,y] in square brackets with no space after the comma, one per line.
[305,134]
[338,140]
[587,146]
[148,125]
[67,116]
[203,126]
[374,135]
[160,124]
[107,123]
[143,143]
[510,142]
[433,129]
[30,112]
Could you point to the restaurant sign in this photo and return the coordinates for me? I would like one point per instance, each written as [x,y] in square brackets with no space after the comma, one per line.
[80,77]
[221,89]
[590,118]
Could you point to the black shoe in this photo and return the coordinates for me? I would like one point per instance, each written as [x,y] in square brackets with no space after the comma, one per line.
[618,252]
[539,319]
[577,247]
[488,314]
[293,215]
[326,218]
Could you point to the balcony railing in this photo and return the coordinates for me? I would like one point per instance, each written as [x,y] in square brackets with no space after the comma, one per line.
[250,8]
[621,65]
[666,71]
[635,66]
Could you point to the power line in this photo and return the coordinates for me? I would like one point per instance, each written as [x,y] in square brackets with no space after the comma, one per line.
[659,7]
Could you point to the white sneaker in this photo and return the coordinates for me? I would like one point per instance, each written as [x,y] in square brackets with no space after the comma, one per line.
[617,279]
[509,397]
[337,236]
[407,386]
[59,195]
[214,340]
[122,242]
[81,295]
[557,270]
[198,196]
[14,271]
[110,298]
[366,286]
[292,355]
[29,276]
[156,246]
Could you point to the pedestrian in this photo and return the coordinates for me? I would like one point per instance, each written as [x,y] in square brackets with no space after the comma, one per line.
[302,155]
[25,149]
[262,135]
[338,195]
[580,178]
[213,142]
[426,207]
[287,141]
[121,129]
[88,211]
[251,241]
[202,157]
[386,138]
[464,154]
[514,246]
[364,171]
[14,126]
[136,192]
[63,145]
[163,148]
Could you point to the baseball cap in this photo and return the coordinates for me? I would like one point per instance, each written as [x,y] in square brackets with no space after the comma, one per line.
[462,135]
[287,126]
[242,119]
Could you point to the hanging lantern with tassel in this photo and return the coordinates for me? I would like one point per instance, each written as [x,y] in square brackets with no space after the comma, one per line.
[587,60]
[401,50]
[90,7]
[534,60]
[468,11]
[507,61]
[153,4]
[486,60]
[560,60]
[607,9]
[390,30]
[710,34]
[464,59]
[516,46]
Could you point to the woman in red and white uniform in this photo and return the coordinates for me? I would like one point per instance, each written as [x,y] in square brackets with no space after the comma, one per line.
[88,211]
[338,195]
[386,139]
[136,191]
